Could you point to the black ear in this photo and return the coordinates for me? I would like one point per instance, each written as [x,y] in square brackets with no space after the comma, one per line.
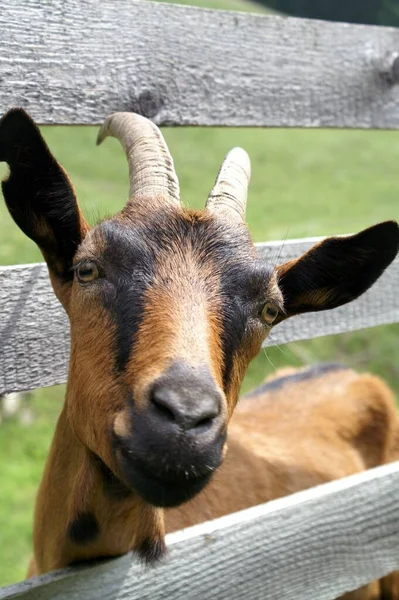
[38,193]
[338,269]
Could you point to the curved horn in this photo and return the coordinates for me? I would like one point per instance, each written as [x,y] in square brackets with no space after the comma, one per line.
[151,169]
[229,194]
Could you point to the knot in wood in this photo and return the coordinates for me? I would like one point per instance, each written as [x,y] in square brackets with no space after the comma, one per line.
[391,68]
[395,69]
[150,103]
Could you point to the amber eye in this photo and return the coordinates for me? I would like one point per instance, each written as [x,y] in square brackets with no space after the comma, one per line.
[269,313]
[87,271]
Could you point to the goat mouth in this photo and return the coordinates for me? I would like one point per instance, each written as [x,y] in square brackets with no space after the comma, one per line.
[161,490]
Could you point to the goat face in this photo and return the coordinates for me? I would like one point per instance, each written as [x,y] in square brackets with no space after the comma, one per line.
[171,304]
[167,306]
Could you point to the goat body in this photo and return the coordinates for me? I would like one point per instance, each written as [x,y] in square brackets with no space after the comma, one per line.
[167,308]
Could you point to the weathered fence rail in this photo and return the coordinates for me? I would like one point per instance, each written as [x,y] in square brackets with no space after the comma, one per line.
[314,545]
[76,62]
[34,331]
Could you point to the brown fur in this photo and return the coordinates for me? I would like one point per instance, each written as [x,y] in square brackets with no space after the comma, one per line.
[179,321]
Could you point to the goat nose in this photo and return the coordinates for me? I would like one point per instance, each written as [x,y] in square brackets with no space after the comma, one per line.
[195,411]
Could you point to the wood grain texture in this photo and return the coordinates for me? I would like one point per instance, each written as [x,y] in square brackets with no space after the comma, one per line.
[75,62]
[34,330]
[314,545]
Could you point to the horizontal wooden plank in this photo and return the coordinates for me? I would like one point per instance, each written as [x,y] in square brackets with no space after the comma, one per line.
[34,332]
[314,545]
[75,62]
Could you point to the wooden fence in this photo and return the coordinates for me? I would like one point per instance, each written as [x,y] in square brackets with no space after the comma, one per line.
[76,61]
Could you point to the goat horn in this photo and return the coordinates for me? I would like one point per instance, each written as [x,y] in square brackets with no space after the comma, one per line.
[151,169]
[229,194]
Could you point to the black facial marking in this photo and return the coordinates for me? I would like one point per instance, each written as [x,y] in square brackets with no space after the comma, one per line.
[131,269]
[313,372]
[243,283]
[151,550]
[83,529]
[169,488]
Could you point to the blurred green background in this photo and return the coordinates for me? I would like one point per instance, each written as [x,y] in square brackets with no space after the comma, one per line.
[304,183]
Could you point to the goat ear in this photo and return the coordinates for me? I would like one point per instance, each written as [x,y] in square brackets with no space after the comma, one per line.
[338,269]
[39,195]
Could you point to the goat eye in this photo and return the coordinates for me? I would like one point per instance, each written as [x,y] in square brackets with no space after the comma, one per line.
[269,313]
[87,271]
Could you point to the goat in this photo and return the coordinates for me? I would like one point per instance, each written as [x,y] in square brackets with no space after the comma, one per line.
[167,307]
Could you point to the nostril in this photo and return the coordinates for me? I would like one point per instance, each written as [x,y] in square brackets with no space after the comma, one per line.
[163,408]
[205,421]
[203,424]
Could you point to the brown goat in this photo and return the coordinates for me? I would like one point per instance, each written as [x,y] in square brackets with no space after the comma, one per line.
[167,307]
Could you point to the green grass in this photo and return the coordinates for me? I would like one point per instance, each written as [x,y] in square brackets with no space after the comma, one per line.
[304,183]
[23,450]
